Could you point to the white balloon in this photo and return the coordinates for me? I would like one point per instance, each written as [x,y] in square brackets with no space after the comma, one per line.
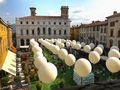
[78,46]
[114,53]
[67,44]
[83,67]
[39,61]
[114,47]
[113,64]
[38,54]
[94,57]
[87,48]
[82,44]
[92,45]
[62,53]
[56,49]
[99,50]
[47,73]
[100,45]
[36,49]
[70,59]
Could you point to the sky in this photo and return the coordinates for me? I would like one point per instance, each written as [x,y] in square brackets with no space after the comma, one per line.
[80,11]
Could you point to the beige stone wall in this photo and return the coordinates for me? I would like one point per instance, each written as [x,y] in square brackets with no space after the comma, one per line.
[115,29]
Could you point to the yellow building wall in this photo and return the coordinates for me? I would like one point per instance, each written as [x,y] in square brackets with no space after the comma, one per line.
[3,43]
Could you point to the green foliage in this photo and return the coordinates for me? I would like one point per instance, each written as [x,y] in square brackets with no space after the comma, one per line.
[17,79]
[4,81]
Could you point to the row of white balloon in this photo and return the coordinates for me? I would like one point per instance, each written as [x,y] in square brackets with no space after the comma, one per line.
[47,72]
[94,56]
[82,66]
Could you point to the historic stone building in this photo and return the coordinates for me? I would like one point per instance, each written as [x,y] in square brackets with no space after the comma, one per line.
[5,40]
[102,32]
[34,26]
[113,36]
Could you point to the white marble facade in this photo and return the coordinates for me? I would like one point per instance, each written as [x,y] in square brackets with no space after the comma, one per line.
[42,27]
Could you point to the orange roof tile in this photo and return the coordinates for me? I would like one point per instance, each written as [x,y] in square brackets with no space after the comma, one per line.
[114,15]
[40,17]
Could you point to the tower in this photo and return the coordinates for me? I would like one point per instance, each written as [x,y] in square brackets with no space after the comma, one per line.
[33,13]
[64,12]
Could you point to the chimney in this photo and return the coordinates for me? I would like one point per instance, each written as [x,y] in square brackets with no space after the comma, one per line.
[93,21]
[115,12]
[32,9]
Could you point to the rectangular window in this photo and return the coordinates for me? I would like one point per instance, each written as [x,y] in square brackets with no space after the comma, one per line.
[104,30]
[32,22]
[59,32]
[21,32]
[21,22]
[64,32]
[101,30]
[33,32]
[54,32]
[112,24]
[27,32]
[27,22]
[111,33]
[54,23]
[44,31]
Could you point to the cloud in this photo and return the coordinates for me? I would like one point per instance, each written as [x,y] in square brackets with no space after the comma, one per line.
[53,13]
[1,1]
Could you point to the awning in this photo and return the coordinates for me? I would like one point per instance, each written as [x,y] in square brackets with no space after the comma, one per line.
[10,63]
[24,46]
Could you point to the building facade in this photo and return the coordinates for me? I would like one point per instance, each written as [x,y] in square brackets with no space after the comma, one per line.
[102,32]
[5,40]
[95,32]
[74,31]
[113,29]
[34,26]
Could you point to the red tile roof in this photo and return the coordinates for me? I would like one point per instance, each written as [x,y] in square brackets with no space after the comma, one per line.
[95,23]
[40,17]
[114,15]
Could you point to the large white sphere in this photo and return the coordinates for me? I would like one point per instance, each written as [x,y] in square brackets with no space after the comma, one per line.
[36,49]
[67,44]
[62,53]
[56,49]
[99,50]
[114,53]
[78,46]
[94,57]
[113,64]
[82,44]
[72,44]
[32,41]
[61,45]
[100,45]
[38,54]
[114,47]
[83,67]
[47,73]
[87,48]
[70,59]
[92,45]
[39,61]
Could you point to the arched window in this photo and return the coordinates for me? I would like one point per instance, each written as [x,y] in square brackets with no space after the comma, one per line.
[44,31]
[54,32]
[59,32]
[22,42]
[49,31]
[64,32]
[111,42]
[27,41]
[119,44]
[119,33]
[38,31]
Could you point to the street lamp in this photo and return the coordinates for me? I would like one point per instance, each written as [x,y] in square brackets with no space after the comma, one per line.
[70,59]
[114,53]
